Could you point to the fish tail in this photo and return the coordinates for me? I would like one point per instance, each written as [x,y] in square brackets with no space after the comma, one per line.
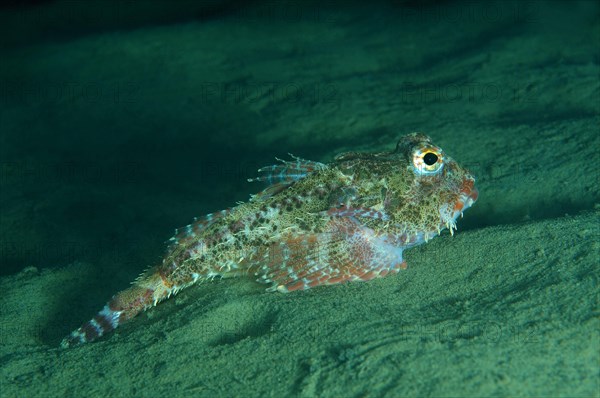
[145,292]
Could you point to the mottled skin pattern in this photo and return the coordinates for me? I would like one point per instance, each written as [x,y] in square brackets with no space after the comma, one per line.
[315,224]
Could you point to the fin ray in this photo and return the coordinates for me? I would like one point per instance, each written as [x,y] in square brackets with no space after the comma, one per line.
[279,177]
[348,251]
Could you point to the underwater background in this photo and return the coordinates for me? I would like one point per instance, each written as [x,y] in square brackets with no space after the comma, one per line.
[120,121]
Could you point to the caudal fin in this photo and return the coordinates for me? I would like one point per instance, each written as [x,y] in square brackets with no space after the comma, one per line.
[146,292]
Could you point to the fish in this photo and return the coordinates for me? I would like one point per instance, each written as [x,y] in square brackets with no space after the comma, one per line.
[314,224]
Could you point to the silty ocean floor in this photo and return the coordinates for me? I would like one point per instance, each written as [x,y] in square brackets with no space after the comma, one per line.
[115,132]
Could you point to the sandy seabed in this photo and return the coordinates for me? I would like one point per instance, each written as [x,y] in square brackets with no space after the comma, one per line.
[111,139]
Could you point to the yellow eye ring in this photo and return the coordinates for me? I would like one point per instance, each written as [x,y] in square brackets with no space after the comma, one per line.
[427,160]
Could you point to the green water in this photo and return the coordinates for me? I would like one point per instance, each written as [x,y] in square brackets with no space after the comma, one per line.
[120,122]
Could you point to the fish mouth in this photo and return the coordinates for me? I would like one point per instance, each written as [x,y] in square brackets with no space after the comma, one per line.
[467,196]
[449,212]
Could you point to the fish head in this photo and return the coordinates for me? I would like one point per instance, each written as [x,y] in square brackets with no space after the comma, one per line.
[433,190]
[417,186]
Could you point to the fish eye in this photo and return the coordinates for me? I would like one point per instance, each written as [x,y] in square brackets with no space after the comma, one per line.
[430,158]
[427,160]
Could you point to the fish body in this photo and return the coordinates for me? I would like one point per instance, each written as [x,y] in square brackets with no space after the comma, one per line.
[315,224]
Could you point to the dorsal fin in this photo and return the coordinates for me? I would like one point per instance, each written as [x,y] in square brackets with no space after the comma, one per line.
[281,176]
[190,231]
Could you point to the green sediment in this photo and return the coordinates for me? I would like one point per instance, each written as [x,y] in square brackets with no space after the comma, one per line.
[507,310]
[113,138]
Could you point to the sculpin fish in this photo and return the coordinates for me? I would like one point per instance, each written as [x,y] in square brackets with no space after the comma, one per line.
[315,224]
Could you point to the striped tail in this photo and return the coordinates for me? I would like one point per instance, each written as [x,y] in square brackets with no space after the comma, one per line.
[146,292]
